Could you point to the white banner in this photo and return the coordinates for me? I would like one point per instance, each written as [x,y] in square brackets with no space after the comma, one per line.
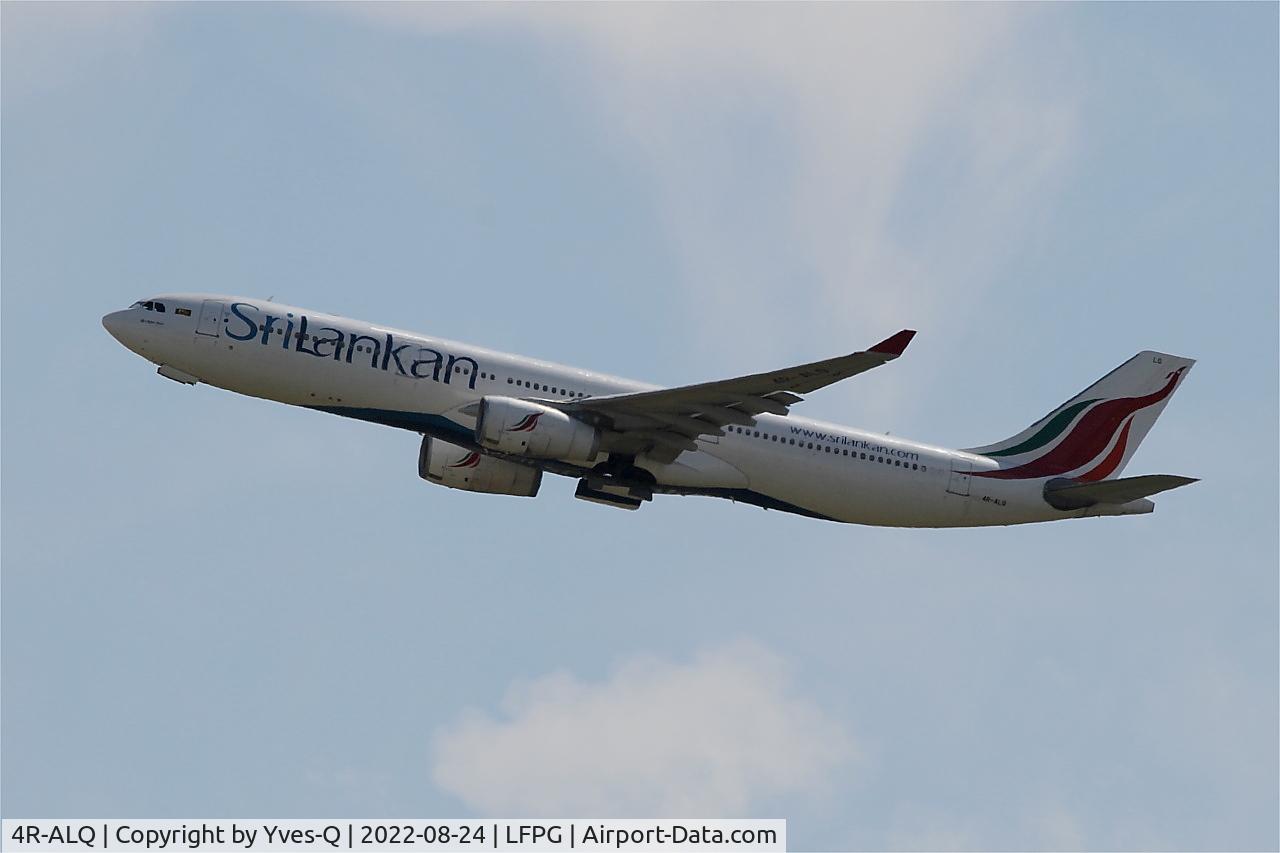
[405,836]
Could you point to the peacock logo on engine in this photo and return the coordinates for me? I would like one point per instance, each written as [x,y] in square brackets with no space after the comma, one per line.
[527,423]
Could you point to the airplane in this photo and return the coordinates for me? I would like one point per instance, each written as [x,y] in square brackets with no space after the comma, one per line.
[494,423]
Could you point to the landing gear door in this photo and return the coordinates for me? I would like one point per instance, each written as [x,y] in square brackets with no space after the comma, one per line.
[959,482]
[210,322]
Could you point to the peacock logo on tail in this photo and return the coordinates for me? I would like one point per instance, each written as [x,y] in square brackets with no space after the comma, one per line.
[1087,440]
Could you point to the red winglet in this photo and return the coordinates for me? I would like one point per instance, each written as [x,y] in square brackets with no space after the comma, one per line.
[895,344]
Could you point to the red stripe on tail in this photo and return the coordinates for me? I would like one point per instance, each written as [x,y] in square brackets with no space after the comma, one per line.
[1089,438]
[1103,471]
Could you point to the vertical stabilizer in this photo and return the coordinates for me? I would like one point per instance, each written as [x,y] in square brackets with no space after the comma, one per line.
[1093,435]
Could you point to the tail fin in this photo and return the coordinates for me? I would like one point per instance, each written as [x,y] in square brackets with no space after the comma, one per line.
[1092,436]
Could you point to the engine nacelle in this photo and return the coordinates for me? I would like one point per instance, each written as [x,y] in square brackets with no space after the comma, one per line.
[530,429]
[459,468]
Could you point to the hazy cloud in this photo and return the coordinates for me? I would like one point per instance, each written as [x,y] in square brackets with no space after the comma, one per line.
[47,45]
[792,147]
[654,738]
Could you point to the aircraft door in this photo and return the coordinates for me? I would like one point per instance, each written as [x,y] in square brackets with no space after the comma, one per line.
[959,482]
[210,322]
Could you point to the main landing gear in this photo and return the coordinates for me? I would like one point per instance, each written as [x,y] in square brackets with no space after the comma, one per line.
[617,482]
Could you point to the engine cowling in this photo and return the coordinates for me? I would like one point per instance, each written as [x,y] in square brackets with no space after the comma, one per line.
[459,468]
[531,429]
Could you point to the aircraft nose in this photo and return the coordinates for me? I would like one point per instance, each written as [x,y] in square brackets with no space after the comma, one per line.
[114,323]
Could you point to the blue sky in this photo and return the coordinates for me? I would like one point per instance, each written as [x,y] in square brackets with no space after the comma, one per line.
[217,606]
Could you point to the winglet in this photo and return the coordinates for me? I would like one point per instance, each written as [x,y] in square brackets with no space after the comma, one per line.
[895,344]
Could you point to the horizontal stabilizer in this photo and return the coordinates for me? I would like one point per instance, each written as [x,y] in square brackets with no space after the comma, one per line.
[1070,494]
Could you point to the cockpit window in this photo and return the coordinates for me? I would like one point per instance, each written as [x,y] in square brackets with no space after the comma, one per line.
[149,305]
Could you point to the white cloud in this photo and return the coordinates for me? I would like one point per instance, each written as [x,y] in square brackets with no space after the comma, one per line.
[850,100]
[705,738]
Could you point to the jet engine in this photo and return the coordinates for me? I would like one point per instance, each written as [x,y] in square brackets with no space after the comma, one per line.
[530,429]
[459,468]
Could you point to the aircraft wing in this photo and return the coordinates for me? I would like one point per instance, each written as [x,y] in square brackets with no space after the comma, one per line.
[664,423]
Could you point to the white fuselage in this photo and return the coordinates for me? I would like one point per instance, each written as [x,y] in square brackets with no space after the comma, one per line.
[411,381]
